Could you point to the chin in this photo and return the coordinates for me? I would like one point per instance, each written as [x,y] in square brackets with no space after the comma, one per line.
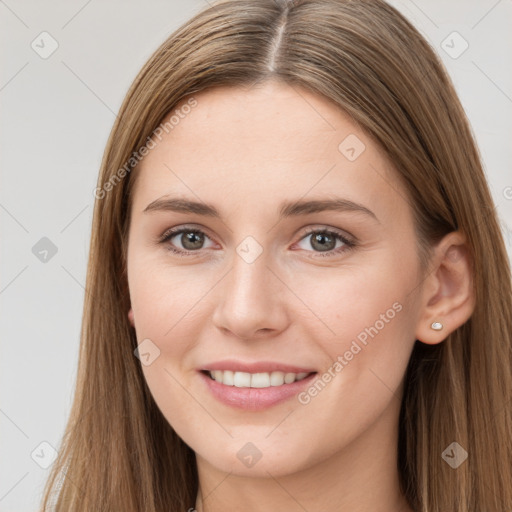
[258,459]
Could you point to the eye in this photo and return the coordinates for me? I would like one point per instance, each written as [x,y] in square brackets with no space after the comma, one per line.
[190,239]
[325,240]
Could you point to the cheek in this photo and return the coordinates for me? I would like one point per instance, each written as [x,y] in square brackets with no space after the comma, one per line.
[364,322]
[170,307]
[165,301]
[359,305]
[368,356]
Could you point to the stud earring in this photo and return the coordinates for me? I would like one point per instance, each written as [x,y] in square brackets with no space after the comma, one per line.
[437,326]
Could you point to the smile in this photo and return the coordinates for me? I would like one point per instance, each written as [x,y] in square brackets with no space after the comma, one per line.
[254,391]
[255,380]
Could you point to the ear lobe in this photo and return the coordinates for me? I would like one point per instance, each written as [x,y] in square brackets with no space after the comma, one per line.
[448,295]
[131,318]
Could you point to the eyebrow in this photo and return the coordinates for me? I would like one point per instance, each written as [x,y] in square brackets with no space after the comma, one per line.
[287,209]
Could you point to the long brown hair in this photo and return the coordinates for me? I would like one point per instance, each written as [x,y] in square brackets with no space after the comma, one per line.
[118,452]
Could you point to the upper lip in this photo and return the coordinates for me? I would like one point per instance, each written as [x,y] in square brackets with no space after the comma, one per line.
[256,367]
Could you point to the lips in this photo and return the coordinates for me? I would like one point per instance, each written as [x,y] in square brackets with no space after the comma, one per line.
[254,386]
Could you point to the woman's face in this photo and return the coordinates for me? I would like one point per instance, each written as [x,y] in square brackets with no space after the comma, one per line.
[256,289]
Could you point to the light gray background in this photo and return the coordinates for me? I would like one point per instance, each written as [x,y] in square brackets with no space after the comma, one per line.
[56,116]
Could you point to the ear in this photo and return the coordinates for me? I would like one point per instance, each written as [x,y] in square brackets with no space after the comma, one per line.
[130,317]
[447,294]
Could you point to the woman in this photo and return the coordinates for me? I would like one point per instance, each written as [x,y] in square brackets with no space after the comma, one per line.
[298,293]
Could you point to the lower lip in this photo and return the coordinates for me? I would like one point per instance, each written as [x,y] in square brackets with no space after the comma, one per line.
[255,399]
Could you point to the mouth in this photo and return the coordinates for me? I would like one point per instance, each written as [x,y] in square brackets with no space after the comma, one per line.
[254,391]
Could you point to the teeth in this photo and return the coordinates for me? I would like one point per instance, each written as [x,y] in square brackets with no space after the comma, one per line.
[255,380]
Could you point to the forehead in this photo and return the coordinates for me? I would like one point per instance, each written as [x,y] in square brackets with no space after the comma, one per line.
[283,121]
[255,146]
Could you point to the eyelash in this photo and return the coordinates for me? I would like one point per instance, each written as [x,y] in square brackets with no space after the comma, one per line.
[348,244]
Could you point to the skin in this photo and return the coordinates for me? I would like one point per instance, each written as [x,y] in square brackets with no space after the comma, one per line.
[245,151]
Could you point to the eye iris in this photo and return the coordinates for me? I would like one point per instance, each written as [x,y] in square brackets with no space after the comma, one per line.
[192,237]
[320,238]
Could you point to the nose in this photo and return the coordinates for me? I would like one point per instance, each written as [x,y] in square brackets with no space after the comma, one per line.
[251,299]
